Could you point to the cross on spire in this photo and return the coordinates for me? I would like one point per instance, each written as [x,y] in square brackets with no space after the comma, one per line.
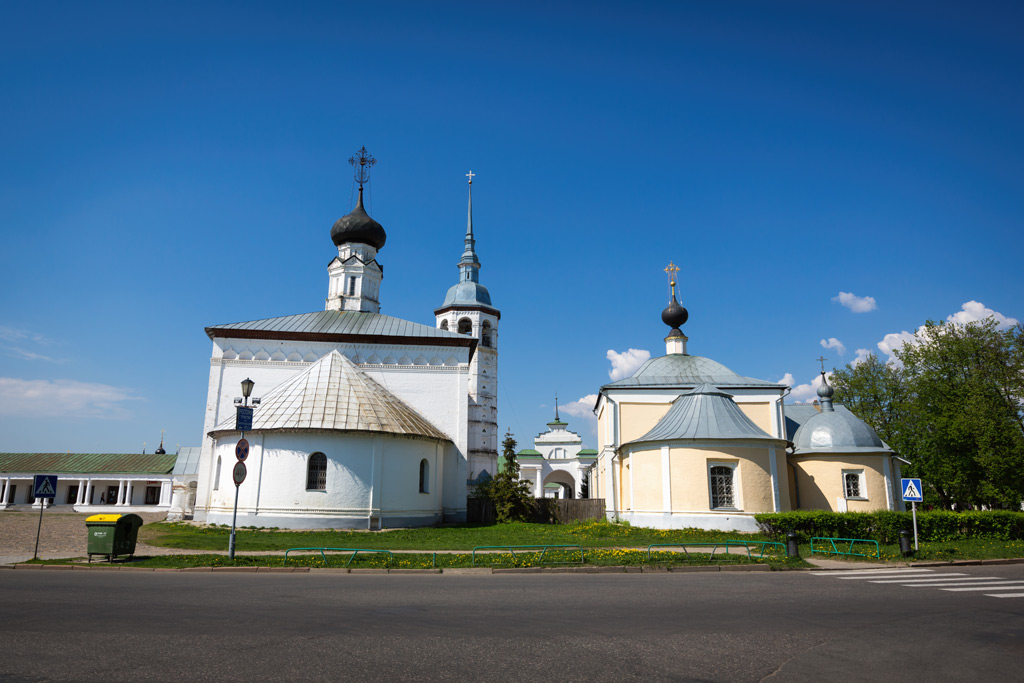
[672,270]
[470,176]
[822,359]
[362,162]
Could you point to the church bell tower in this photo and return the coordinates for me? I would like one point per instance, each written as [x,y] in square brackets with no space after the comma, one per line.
[467,310]
[354,273]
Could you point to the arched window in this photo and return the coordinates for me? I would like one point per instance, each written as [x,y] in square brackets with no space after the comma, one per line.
[444,325]
[465,326]
[424,476]
[351,286]
[316,472]
[722,491]
[216,476]
[485,334]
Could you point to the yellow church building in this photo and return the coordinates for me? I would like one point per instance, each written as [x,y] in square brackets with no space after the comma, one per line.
[687,442]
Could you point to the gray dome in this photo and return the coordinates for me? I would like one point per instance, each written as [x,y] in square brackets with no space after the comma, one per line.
[677,369]
[467,293]
[836,432]
[357,226]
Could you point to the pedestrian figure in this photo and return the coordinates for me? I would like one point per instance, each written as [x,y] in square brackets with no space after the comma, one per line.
[103,499]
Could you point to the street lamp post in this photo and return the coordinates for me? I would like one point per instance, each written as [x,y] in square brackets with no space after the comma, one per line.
[243,417]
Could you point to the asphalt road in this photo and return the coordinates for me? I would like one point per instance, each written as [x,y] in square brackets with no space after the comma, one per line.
[779,626]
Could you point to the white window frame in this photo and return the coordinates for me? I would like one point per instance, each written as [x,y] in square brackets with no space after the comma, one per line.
[861,484]
[737,501]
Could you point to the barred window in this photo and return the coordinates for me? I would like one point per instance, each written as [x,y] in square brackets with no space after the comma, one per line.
[722,487]
[851,484]
[316,473]
[424,476]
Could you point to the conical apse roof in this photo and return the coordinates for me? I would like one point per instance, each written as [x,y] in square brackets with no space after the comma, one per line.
[333,393]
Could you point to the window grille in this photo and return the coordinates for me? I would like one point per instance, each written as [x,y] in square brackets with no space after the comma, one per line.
[721,487]
[852,482]
[316,472]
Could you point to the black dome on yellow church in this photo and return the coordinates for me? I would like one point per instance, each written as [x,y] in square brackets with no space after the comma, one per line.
[357,226]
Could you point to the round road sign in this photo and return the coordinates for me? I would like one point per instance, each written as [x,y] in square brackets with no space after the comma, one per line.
[242,449]
[238,474]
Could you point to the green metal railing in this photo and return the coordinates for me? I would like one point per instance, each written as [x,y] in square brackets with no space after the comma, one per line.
[760,548]
[849,548]
[354,551]
[531,548]
[687,546]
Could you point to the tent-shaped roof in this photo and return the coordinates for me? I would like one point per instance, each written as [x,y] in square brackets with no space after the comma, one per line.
[704,412]
[333,393]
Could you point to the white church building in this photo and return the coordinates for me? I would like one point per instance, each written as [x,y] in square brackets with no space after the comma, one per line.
[364,420]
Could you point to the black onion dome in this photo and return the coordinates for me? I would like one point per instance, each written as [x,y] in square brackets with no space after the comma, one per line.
[357,226]
[674,315]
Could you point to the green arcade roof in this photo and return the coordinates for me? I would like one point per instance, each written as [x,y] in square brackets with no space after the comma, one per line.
[88,463]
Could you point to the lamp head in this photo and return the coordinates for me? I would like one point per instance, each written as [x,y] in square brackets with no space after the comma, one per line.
[247,385]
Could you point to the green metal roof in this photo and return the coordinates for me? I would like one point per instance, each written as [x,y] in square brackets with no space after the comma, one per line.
[675,370]
[88,463]
[528,451]
[335,325]
[587,451]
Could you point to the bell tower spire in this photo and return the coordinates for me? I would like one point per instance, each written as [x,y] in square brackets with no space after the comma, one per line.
[467,310]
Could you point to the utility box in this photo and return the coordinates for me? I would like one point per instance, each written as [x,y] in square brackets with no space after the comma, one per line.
[112,535]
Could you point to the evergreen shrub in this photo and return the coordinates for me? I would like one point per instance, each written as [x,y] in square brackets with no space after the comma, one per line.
[884,526]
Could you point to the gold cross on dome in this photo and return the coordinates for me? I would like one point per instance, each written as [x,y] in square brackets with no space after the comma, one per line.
[470,176]
[672,270]
[822,359]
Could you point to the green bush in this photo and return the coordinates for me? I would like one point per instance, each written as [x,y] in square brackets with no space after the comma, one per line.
[884,526]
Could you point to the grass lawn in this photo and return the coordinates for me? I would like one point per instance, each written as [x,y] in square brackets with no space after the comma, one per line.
[590,534]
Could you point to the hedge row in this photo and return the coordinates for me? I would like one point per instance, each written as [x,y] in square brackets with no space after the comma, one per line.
[885,526]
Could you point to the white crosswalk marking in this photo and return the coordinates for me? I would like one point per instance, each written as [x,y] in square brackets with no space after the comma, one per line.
[869,572]
[1017,585]
[906,573]
[990,586]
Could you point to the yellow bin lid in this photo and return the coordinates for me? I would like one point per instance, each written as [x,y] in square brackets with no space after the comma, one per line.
[103,518]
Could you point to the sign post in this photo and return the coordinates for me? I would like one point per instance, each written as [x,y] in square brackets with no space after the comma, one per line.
[237,476]
[44,486]
[912,494]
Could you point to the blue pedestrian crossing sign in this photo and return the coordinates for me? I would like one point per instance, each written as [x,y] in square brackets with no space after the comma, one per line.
[912,491]
[44,486]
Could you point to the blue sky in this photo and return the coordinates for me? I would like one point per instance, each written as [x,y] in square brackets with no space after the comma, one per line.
[168,166]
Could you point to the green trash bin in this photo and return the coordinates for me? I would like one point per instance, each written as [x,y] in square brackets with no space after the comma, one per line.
[112,535]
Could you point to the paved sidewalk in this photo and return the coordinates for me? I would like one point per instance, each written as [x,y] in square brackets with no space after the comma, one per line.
[62,535]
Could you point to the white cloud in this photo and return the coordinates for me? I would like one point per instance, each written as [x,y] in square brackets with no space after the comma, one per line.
[833,343]
[973,311]
[583,408]
[625,364]
[970,312]
[862,355]
[13,335]
[893,341]
[62,398]
[857,304]
[803,393]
